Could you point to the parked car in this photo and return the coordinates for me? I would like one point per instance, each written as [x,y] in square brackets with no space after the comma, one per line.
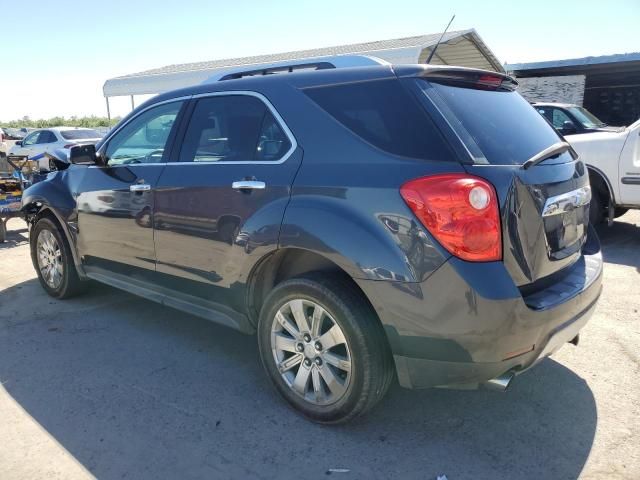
[49,140]
[613,161]
[571,119]
[3,144]
[416,221]
[612,155]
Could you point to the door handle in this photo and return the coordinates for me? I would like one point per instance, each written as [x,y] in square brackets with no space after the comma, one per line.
[140,187]
[248,185]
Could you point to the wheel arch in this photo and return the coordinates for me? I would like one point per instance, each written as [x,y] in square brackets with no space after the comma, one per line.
[36,209]
[286,263]
[599,181]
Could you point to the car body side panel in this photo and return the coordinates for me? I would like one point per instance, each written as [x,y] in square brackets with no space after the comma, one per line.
[601,150]
[629,167]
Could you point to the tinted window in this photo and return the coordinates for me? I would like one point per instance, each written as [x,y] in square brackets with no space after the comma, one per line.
[143,139]
[385,115]
[79,134]
[497,127]
[233,128]
[47,136]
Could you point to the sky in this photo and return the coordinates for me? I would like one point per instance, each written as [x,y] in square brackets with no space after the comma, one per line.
[56,55]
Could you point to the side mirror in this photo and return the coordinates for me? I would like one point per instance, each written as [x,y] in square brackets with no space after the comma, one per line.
[83,155]
[568,128]
[19,143]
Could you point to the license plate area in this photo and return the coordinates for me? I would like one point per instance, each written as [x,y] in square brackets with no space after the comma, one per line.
[566,218]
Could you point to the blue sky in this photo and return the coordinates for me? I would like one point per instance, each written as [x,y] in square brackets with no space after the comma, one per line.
[57,54]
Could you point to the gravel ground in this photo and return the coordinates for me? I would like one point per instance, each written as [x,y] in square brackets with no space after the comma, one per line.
[111,386]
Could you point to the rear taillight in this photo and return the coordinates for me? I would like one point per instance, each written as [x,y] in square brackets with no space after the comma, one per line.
[460,211]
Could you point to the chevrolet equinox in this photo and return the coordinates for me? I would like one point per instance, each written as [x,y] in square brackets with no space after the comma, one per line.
[417,222]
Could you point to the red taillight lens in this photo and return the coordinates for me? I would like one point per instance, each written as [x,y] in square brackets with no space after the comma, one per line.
[460,211]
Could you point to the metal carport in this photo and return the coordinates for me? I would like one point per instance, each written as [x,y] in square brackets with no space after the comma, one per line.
[463,47]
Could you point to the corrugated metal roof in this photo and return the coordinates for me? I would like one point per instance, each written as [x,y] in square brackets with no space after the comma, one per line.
[422,41]
[463,48]
[574,62]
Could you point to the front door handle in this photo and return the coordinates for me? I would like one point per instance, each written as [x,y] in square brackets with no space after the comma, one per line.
[248,185]
[140,187]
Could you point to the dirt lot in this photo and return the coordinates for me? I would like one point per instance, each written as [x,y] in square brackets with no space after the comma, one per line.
[111,386]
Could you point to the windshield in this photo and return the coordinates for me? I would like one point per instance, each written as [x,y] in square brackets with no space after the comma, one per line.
[586,118]
[496,127]
[79,134]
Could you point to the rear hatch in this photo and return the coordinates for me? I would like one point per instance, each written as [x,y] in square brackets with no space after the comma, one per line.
[543,189]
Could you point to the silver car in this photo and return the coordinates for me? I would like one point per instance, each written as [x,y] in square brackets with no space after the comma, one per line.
[50,140]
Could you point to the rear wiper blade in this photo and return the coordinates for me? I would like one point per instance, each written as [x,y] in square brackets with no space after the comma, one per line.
[552,151]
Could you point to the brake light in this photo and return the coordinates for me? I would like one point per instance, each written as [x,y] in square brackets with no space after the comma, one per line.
[489,81]
[460,211]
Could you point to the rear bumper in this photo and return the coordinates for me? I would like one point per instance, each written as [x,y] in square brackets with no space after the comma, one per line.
[468,323]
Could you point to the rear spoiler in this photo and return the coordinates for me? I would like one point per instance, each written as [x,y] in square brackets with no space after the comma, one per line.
[459,76]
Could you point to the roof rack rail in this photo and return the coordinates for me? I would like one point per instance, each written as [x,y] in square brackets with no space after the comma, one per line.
[288,66]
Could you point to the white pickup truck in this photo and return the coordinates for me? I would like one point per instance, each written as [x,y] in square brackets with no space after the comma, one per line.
[611,154]
[613,160]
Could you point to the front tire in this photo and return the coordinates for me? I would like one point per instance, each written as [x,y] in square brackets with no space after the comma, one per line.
[52,259]
[323,348]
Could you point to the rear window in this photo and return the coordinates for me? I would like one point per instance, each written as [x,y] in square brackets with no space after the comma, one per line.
[497,127]
[384,114]
[79,134]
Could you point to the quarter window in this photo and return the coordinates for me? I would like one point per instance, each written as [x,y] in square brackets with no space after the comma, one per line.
[233,128]
[143,139]
[385,115]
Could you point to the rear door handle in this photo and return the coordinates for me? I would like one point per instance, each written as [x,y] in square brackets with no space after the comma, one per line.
[140,187]
[248,185]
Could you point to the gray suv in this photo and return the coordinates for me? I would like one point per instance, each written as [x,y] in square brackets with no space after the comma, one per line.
[417,222]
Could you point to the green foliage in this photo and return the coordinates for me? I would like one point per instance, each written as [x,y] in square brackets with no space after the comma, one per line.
[87,122]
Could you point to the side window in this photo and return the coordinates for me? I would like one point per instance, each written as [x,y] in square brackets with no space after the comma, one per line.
[46,136]
[233,128]
[31,139]
[144,138]
[385,115]
[559,117]
[546,113]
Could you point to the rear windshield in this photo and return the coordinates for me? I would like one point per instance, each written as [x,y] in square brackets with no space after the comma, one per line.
[497,127]
[384,114]
[79,134]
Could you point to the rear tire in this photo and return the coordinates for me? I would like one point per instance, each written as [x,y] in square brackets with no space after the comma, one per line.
[596,208]
[323,348]
[52,259]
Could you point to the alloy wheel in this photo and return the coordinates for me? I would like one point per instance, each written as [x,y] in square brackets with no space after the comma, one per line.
[311,352]
[49,259]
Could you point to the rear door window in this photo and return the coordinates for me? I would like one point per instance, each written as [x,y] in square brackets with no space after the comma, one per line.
[233,128]
[497,127]
[385,115]
[47,136]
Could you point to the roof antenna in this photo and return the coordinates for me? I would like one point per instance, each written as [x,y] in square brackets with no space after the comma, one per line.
[433,52]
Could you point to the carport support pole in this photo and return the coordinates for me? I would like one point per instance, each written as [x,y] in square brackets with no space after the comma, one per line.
[108,110]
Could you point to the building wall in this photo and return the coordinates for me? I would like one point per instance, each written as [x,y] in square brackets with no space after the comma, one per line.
[562,89]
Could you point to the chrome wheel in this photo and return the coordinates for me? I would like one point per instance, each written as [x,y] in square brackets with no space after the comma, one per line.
[49,259]
[311,352]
